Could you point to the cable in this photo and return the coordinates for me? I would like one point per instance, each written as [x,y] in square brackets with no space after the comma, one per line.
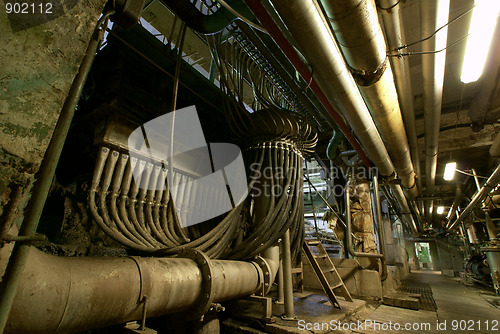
[428,52]
[241,17]
[435,32]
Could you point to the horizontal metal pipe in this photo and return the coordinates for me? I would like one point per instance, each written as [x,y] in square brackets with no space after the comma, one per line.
[479,196]
[61,295]
[395,33]
[359,35]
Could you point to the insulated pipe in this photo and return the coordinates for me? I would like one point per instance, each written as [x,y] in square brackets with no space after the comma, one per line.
[479,196]
[395,33]
[350,246]
[433,15]
[358,32]
[61,295]
[405,209]
[332,83]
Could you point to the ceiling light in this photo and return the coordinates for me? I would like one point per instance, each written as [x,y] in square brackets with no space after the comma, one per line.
[449,171]
[440,210]
[482,26]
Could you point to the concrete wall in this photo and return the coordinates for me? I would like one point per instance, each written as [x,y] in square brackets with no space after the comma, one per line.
[37,66]
[359,280]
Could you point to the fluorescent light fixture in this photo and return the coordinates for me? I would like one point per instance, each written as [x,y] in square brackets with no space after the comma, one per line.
[440,210]
[449,171]
[482,26]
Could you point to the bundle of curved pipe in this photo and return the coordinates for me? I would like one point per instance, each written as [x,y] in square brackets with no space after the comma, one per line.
[136,214]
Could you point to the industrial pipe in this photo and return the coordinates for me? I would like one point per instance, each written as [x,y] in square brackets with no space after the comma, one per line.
[45,175]
[350,246]
[395,33]
[479,196]
[433,15]
[287,276]
[377,214]
[61,295]
[308,27]
[405,209]
[355,24]
[319,34]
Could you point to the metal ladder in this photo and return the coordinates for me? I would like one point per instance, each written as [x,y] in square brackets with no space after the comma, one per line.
[327,273]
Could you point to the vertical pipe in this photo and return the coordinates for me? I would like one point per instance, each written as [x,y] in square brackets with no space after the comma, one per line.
[380,227]
[44,178]
[281,292]
[287,276]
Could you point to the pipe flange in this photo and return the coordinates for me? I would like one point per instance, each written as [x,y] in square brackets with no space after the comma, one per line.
[266,271]
[207,294]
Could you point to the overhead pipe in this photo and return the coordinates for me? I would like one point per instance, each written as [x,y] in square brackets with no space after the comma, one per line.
[459,194]
[433,15]
[479,196]
[61,295]
[484,107]
[332,83]
[360,38]
[395,36]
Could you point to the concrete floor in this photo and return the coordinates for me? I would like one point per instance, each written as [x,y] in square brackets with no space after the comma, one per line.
[460,309]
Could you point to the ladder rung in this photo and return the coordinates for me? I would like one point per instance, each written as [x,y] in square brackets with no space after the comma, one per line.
[336,286]
[296,270]
[328,270]
[321,256]
[313,242]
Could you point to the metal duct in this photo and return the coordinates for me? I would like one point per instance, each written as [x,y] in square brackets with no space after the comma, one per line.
[394,31]
[63,295]
[404,208]
[479,196]
[433,14]
[485,107]
[360,38]
[311,32]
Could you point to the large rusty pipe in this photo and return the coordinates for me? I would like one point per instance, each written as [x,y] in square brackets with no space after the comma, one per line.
[360,38]
[64,295]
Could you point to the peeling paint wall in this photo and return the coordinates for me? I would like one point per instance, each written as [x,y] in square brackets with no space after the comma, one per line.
[37,67]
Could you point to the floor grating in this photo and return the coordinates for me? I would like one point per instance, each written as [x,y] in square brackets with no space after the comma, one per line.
[412,286]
